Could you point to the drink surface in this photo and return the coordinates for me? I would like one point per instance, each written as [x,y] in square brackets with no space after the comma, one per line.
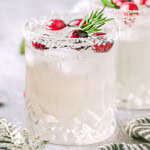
[70,93]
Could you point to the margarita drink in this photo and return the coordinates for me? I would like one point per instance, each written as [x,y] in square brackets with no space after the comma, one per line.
[70,88]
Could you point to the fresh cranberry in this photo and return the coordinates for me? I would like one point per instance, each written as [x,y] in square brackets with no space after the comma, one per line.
[75,23]
[119,2]
[139,2]
[128,6]
[55,24]
[77,34]
[129,17]
[39,46]
[147,3]
[104,46]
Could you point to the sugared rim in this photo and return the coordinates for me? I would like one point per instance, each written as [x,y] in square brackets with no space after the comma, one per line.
[52,42]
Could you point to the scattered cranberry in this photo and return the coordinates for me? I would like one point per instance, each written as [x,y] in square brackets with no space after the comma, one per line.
[128,6]
[77,34]
[75,23]
[147,3]
[55,24]
[139,2]
[119,2]
[104,46]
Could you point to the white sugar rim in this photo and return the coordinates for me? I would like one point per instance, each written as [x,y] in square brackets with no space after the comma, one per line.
[50,41]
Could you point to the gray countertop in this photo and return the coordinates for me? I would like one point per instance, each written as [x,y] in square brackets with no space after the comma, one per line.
[12,66]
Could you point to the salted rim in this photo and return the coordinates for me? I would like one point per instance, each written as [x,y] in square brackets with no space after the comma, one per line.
[53,42]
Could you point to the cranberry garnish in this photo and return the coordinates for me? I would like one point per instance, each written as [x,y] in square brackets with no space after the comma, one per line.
[129,17]
[119,2]
[55,24]
[75,23]
[77,34]
[128,6]
[39,46]
[104,46]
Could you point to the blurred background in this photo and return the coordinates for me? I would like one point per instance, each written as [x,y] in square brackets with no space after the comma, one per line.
[13,15]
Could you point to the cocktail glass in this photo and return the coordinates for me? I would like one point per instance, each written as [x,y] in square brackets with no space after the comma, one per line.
[70,89]
[134,59]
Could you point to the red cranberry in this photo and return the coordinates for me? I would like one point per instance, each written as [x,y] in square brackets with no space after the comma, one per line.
[147,3]
[55,24]
[128,6]
[104,46]
[77,34]
[139,2]
[39,46]
[75,23]
[129,17]
[119,2]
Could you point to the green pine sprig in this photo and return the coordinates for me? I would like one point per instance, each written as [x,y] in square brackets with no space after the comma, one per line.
[94,21]
[12,138]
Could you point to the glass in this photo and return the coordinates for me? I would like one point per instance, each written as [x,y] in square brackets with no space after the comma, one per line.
[134,59]
[133,56]
[70,89]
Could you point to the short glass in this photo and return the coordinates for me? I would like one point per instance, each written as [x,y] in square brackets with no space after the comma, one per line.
[133,56]
[134,59]
[70,89]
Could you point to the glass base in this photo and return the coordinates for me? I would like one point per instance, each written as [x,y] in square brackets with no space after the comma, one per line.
[87,128]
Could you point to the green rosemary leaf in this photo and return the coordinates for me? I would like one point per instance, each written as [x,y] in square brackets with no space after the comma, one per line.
[94,30]
[94,21]
[82,22]
[88,27]
[94,14]
[109,4]
[99,16]
[100,25]
[90,16]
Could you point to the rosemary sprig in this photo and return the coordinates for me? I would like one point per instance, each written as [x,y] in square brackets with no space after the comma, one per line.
[94,21]
[11,138]
[109,4]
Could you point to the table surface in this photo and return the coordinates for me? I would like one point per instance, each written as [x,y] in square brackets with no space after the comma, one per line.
[12,67]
